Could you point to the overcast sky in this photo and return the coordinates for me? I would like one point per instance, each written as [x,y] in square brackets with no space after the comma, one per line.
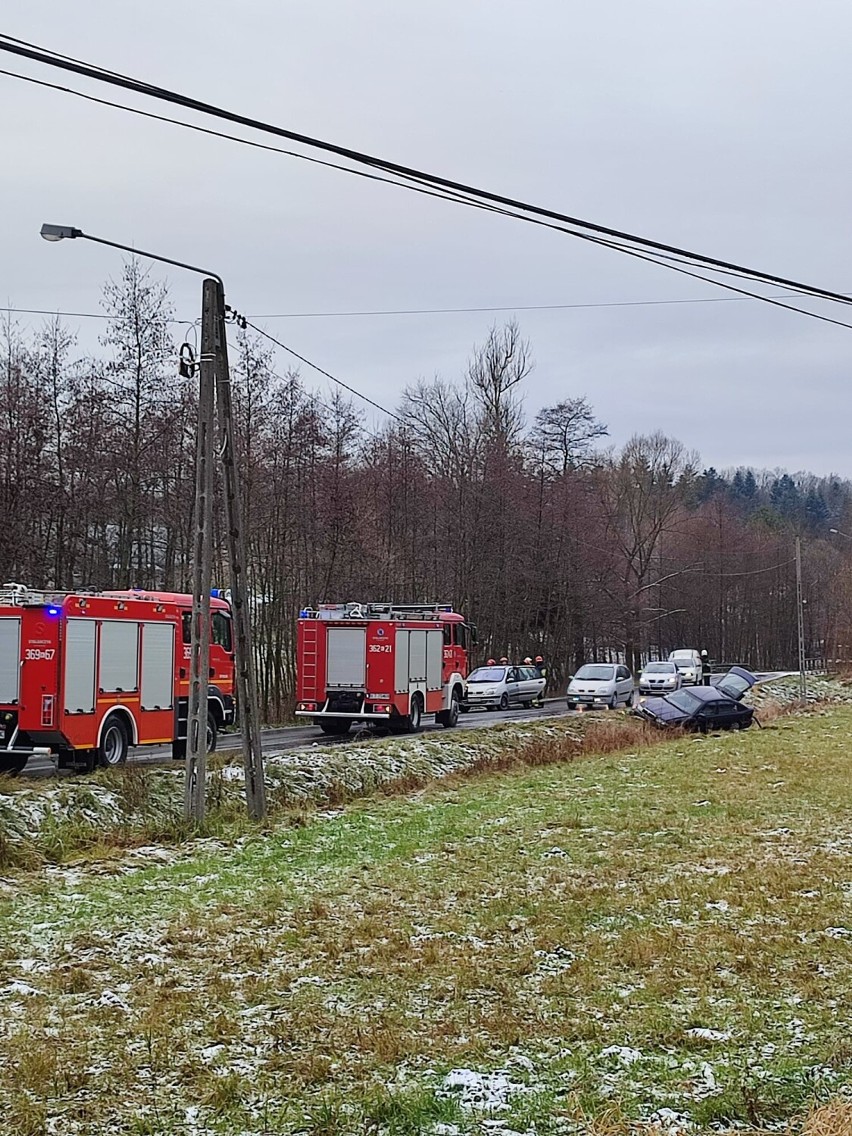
[719,125]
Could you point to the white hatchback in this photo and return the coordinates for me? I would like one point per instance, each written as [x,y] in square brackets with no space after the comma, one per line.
[600,685]
[498,688]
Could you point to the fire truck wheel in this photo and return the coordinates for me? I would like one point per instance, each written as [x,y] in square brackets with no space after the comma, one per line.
[336,727]
[448,718]
[114,743]
[212,732]
[415,715]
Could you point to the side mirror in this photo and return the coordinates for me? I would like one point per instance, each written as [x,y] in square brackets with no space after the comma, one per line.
[570,678]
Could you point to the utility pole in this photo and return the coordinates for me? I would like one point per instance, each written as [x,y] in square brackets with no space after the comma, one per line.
[238,559]
[800,619]
[202,562]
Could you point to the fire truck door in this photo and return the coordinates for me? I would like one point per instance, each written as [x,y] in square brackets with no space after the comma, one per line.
[346,663]
[79,677]
[10,659]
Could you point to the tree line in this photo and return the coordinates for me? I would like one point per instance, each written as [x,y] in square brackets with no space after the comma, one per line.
[548,539]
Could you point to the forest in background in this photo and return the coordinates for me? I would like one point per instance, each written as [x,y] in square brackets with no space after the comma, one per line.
[548,539]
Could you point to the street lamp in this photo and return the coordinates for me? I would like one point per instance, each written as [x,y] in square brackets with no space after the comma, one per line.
[214,387]
[69,233]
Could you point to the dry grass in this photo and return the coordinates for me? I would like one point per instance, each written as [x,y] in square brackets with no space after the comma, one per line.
[833,1119]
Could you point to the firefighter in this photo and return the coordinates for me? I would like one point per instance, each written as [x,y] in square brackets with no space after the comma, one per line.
[541,667]
[504,662]
[528,661]
[491,663]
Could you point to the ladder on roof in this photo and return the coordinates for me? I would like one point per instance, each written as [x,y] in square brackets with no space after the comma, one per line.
[19,595]
[377,611]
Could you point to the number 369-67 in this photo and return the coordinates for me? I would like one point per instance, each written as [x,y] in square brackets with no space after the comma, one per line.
[35,653]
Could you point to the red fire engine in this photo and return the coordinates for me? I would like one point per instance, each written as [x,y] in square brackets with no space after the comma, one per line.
[381,662]
[86,675]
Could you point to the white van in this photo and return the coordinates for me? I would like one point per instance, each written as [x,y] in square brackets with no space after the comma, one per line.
[690,665]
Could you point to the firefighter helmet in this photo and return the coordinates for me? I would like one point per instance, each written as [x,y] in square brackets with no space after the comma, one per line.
[491,663]
[528,661]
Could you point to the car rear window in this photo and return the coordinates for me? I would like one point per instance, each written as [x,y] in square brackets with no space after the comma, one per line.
[684,700]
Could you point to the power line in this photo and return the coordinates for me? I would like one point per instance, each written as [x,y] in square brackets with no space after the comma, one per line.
[458,191]
[74,315]
[418,187]
[424,311]
[512,308]
[322,371]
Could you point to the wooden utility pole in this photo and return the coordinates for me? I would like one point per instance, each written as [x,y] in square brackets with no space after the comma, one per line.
[238,559]
[800,621]
[202,562]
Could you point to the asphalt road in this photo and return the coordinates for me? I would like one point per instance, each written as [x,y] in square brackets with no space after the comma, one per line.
[291,737]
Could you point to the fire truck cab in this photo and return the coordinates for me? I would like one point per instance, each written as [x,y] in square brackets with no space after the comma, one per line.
[84,676]
[388,663]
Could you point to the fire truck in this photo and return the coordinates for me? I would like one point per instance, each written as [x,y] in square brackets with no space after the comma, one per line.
[390,663]
[86,675]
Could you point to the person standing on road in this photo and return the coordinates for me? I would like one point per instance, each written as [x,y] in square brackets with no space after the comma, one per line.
[542,673]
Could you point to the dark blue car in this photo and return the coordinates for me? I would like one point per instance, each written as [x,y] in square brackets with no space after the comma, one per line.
[703,708]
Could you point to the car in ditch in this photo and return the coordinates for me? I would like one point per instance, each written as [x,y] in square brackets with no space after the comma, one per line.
[659,678]
[600,686]
[703,708]
[498,688]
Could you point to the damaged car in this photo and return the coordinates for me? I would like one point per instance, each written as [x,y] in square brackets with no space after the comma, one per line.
[703,708]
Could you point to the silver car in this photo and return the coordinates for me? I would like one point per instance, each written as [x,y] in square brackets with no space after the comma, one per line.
[502,687]
[659,678]
[600,685]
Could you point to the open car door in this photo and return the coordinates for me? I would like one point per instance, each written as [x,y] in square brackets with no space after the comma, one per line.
[736,682]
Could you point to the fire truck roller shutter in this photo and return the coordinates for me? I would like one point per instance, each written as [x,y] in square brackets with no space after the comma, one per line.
[118,670]
[434,660]
[417,657]
[10,655]
[79,674]
[158,649]
[400,666]
[346,661]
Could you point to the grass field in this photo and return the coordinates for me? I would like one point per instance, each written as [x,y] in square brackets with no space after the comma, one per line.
[648,941]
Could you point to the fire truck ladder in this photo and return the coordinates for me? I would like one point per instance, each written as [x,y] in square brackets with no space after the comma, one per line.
[309,656]
[19,595]
[407,611]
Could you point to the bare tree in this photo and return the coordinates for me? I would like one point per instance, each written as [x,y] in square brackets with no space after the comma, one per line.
[641,492]
[564,434]
[494,373]
[137,377]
